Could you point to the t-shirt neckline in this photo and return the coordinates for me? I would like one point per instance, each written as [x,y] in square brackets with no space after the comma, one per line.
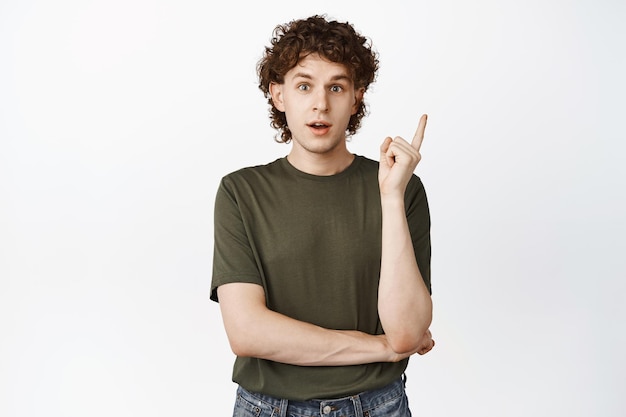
[322,178]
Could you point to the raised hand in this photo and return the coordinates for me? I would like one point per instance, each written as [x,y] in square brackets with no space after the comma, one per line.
[398,160]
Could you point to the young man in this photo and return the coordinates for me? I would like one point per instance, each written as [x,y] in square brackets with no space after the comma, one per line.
[322,258]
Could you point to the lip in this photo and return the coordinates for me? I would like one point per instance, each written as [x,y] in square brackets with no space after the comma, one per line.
[319,131]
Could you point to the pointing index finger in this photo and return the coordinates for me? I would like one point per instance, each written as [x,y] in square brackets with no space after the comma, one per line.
[419,133]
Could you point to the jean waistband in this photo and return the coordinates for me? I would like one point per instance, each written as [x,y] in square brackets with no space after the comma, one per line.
[367,400]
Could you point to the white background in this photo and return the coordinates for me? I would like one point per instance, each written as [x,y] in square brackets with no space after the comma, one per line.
[118,118]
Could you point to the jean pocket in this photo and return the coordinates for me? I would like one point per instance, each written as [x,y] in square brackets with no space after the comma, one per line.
[244,408]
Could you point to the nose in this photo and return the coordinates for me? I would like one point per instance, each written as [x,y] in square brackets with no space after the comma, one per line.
[320,102]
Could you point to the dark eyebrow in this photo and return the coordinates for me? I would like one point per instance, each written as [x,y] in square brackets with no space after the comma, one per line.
[339,77]
[302,75]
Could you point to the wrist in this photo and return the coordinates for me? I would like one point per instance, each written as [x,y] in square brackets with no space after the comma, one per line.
[392,201]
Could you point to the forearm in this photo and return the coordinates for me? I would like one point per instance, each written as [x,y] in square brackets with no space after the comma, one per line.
[404,302]
[256,331]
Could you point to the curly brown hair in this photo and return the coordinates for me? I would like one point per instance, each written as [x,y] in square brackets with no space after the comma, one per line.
[335,41]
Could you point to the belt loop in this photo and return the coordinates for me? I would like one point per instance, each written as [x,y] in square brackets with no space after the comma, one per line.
[358,407]
[283,408]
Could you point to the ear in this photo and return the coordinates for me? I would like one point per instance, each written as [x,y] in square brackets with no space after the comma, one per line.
[276,91]
[358,98]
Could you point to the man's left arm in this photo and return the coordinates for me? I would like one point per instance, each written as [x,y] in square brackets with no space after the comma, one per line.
[404,302]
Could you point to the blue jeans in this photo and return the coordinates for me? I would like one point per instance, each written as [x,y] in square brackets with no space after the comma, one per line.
[389,401]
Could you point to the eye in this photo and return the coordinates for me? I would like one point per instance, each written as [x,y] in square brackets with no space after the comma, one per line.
[303,87]
[336,89]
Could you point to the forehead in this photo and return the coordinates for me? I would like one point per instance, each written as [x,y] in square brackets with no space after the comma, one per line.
[315,67]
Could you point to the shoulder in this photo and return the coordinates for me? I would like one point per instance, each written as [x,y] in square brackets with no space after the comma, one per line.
[256,170]
[415,184]
[366,168]
[415,197]
[252,174]
[366,163]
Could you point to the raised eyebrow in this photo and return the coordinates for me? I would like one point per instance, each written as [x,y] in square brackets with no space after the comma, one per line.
[339,77]
[302,75]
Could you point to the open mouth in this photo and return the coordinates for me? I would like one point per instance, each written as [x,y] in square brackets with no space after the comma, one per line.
[319,125]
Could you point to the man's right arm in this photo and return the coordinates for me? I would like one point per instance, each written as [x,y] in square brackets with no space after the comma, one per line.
[253,330]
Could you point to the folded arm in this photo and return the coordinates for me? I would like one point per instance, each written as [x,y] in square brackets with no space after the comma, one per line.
[253,330]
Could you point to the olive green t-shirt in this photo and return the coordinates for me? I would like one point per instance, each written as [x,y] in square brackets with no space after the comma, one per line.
[314,244]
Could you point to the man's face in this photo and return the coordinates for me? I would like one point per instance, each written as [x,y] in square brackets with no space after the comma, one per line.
[318,98]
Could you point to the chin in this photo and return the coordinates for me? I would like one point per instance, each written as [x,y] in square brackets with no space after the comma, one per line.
[323,148]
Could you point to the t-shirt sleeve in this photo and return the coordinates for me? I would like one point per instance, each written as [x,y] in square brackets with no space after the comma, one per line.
[418,217]
[233,255]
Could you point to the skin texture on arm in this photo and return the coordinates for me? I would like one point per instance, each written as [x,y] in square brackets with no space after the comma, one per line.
[252,331]
[404,302]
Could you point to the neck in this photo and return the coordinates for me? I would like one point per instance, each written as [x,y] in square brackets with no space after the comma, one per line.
[321,164]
